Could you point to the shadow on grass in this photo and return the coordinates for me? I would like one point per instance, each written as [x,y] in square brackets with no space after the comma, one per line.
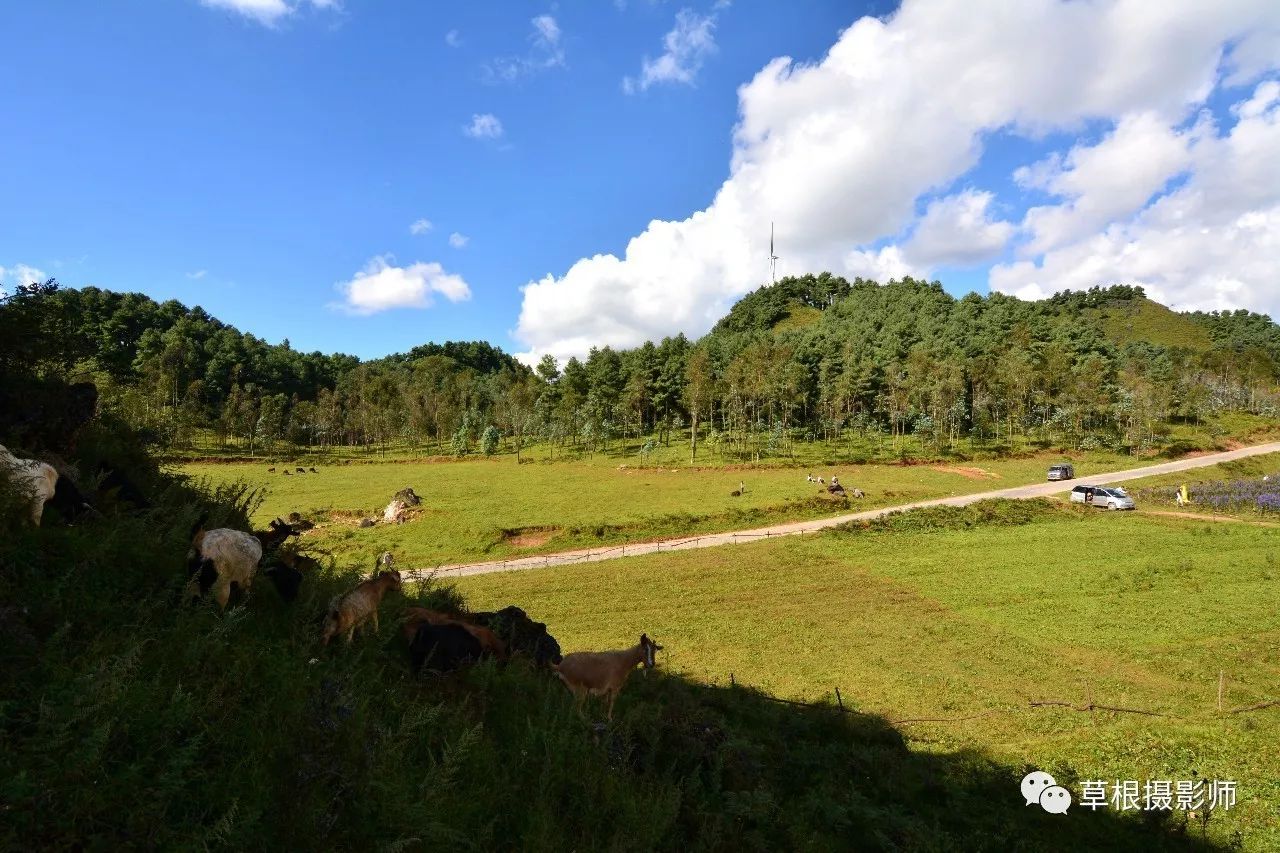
[772,775]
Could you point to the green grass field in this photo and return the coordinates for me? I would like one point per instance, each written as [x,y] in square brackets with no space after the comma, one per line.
[1123,610]
[473,509]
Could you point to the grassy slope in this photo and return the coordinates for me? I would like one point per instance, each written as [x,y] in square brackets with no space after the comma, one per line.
[129,722]
[1130,611]
[1143,320]
[469,504]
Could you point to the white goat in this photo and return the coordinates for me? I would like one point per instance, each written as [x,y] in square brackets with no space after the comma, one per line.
[40,482]
[219,558]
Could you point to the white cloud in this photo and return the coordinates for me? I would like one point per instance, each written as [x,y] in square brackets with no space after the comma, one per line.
[197,274]
[546,51]
[957,231]
[1103,182]
[839,152]
[458,241]
[270,12]
[484,126]
[1212,243]
[685,48]
[452,38]
[381,287]
[23,274]
[420,226]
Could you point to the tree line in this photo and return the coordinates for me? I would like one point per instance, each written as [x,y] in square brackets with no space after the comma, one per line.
[900,366]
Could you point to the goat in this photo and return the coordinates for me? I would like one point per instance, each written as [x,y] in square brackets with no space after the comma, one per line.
[858,493]
[42,484]
[219,558]
[286,472]
[418,616]
[350,611]
[821,482]
[520,634]
[394,513]
[740,491]
[271,470]
[443,648]
[604,673]
[810,479]
[271,539]
[313,470]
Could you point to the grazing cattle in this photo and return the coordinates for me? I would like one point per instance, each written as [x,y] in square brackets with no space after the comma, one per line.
[489,642]
[520,634]
[271,470]
[604,673]
[367,522]
[286,472]
[313,470]
[835,488]
[286,580]
[219,558]
[301,470]
[442,648]
[350,611]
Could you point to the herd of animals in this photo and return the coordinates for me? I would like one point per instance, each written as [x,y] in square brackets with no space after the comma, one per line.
[223,563]
[223,560]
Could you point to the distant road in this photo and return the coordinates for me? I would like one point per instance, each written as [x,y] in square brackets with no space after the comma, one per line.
[712,540]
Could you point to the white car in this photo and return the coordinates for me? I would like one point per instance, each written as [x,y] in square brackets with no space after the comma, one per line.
[1102,498]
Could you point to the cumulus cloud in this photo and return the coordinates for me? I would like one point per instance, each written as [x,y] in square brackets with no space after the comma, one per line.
[453,38]
[458,241]
[484,126]
[957,231]
[420,226]
[1212,243]
[380,286]
[685,48]
[546,50]
[840,152]
[269,12]
[1107,181]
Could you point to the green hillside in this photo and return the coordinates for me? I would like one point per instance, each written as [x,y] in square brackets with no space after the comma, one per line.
[1143,321]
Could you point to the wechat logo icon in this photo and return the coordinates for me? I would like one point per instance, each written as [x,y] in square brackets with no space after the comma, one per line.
[1040,787]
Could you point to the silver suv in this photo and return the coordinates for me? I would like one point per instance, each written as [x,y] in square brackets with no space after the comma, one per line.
[1102,498]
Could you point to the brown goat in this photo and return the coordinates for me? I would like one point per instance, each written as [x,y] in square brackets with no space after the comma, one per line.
[350,611]
[604,673]
[489,641]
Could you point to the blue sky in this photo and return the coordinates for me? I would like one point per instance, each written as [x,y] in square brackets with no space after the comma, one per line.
[251,155]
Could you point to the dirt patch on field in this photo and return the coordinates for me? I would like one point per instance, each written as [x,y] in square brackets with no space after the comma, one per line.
[968,473]
[529,537]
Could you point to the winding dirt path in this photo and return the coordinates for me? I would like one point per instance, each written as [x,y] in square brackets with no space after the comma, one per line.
[712,540]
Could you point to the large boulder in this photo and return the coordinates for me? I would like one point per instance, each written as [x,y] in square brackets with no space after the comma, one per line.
[521,634]
[409,497]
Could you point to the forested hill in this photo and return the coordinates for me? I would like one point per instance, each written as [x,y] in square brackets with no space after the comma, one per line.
[808,357]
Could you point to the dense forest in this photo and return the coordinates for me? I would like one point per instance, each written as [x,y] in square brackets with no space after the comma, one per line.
[812,357]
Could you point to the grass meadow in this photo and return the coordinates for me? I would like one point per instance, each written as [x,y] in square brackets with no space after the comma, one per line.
[478,509]
[1118,609]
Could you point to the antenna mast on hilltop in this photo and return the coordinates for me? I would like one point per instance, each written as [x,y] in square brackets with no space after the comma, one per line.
[773,259]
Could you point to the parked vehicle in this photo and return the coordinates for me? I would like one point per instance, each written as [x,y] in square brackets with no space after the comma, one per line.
[1102,498]
[1062,472]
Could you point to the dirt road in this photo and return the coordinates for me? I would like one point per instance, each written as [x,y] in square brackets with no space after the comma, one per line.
[712,540]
